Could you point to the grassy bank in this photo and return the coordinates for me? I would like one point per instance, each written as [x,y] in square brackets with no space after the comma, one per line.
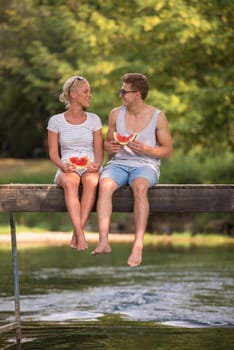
[180,168]
[26,171]
[187,239]
[178,239]
[5,229]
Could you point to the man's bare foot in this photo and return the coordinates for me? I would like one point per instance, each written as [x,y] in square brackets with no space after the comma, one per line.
[102,247]
[135,258]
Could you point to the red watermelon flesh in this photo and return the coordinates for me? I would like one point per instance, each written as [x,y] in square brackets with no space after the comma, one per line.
[80,162]
[124,139]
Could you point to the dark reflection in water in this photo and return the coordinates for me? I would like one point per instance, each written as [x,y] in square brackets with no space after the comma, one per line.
[131,336]
[180,298]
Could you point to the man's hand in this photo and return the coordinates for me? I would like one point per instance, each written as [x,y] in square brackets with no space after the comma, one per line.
[112,147]
[137,147]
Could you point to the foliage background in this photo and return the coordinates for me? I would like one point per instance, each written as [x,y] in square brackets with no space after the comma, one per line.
[185,47]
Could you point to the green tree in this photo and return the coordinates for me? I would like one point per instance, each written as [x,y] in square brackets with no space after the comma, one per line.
[185,47]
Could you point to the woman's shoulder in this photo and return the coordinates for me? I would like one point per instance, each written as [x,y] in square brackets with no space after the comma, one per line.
[93,117]
[57,116]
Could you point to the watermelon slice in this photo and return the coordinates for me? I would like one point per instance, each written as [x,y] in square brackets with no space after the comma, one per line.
[81,162]
[124,139]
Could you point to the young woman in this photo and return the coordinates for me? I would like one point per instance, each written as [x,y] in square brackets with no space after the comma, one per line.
[73,134]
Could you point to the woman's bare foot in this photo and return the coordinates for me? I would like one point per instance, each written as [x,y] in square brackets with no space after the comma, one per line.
[78,243]
[102,247]
[135,258]
[82,244]
[73,243]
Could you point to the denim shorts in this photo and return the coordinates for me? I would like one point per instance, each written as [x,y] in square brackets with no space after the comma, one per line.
[124,175]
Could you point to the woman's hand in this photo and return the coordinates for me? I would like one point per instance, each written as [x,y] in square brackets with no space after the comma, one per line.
[93,167]
[69,168]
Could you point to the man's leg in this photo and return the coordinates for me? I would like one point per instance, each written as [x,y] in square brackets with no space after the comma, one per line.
[107,186]
[140,188]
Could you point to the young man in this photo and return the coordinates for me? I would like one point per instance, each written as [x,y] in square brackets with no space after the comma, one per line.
[136,164]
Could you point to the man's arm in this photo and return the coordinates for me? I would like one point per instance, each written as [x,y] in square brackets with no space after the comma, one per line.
[110,145]
[164,138]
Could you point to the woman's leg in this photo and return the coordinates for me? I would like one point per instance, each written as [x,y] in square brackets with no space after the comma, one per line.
[89,187]
[70,183]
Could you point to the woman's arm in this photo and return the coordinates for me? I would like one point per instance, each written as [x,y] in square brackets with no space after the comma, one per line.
[98,147]
[54,149]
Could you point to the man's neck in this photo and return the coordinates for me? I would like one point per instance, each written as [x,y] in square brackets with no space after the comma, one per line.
[137,108]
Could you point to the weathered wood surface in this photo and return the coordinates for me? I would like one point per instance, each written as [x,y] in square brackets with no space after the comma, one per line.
[163,198]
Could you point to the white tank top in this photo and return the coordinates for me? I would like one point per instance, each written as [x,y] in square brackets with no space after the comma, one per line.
[147,136]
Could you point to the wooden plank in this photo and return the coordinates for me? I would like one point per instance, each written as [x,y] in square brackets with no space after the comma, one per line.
[163,198]
[193,199]
[180,198]
[31,198]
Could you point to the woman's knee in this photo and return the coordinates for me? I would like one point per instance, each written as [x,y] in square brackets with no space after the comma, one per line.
[69,183]
[90,180]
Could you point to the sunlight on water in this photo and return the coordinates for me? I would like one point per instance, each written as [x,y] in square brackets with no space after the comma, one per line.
[171,297]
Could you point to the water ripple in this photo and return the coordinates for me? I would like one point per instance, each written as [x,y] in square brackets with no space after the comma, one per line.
[169,297]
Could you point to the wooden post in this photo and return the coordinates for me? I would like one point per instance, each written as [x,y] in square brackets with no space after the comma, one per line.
[16,278]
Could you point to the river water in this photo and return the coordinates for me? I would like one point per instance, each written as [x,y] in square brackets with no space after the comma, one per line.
[180,298]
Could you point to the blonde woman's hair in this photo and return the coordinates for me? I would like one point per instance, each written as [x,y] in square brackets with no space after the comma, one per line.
[70,84]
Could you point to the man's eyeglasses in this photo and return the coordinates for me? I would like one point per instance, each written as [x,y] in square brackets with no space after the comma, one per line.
[76,78]
[123,91]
